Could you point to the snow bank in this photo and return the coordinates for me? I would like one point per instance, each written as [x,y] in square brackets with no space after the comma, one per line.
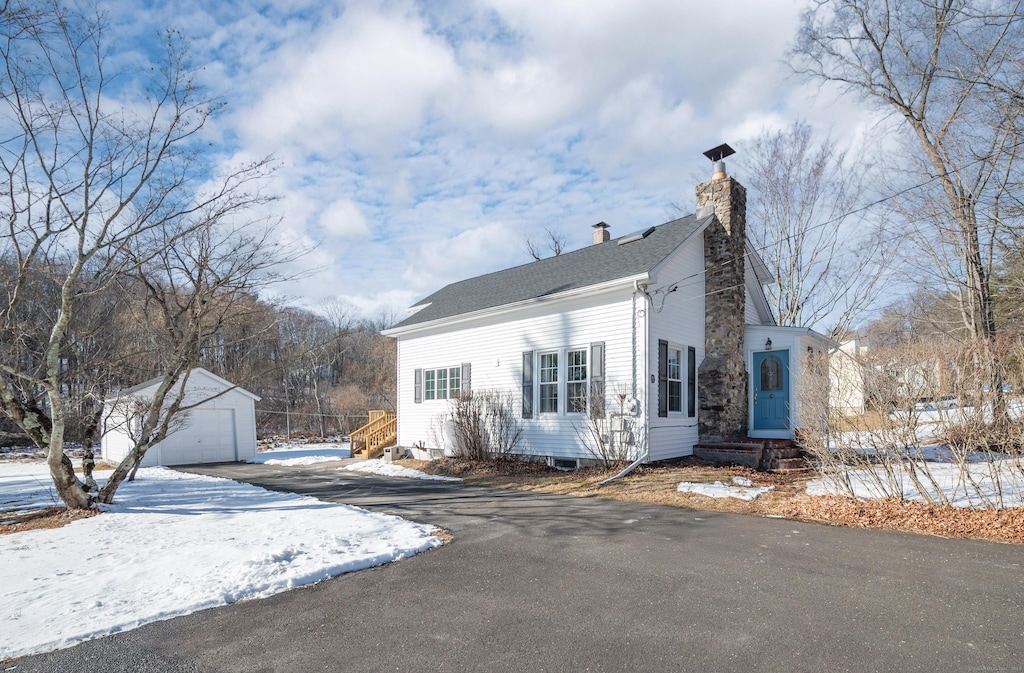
[290,455]
[392,470]
[173,544]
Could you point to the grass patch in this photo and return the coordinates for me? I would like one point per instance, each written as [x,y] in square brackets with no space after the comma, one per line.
[54,517]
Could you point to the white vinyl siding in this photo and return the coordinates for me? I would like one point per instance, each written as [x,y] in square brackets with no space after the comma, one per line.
[751,316]
[495,347]
[754,298]
[680,322]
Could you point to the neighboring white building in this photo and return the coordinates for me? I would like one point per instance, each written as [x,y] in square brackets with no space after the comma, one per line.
[847,385]
[221,428]
[630,319]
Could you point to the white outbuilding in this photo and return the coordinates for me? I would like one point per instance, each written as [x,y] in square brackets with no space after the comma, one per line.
[220,428]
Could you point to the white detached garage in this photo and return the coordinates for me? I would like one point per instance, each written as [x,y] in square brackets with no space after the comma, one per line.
[220,428]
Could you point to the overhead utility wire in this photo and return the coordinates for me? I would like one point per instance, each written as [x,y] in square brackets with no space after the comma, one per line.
[837,218]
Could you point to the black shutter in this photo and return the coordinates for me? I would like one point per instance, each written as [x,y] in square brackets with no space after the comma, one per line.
[691,382]
[417,386]
[662,378]
[467,375]
[527,384]
[597,401]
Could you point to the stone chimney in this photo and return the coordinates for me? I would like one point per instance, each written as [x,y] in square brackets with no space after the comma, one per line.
[722,375]
[601,233]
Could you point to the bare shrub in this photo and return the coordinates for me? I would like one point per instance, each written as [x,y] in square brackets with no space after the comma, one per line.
[484,424]
[938,431]
[504,428]
[612,439]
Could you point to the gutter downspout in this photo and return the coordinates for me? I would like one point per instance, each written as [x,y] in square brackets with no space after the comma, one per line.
[629,468]
[642,459]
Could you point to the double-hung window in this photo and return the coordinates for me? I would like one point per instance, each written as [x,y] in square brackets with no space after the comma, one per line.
[565,381]
[675,379]
[549,383]
[576,381]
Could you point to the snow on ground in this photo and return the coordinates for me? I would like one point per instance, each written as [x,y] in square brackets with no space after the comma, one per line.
[741,488]
[303,454]
[174,543]
[980,484]
[392,470]
[26,487]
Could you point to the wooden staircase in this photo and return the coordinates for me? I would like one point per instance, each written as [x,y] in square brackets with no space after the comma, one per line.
[370,440]
[768,455]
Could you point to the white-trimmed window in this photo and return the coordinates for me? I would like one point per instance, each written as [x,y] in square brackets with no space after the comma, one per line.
[675,379]
[548,367]
[564,382]
[440,384]
[576,381]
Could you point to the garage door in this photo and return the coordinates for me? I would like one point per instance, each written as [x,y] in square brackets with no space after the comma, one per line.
[209,437]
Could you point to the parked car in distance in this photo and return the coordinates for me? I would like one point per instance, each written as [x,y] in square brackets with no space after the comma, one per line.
[936,403]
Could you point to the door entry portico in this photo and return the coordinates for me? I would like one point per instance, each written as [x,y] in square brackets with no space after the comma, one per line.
[771,390]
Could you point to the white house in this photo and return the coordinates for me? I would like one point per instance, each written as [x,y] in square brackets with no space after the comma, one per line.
[848,390]
[663,325]
[220,428]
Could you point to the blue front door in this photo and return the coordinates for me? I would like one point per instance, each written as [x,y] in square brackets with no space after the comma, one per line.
[771,390]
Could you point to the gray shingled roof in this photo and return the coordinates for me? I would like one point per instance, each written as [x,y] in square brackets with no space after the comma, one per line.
[587,266]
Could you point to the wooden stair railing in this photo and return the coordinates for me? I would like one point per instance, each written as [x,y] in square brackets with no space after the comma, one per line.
[370,440]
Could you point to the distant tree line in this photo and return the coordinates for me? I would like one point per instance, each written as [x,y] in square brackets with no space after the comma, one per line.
[317,372]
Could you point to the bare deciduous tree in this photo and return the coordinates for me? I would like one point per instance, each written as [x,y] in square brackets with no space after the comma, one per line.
[802,194]
[107,187]
[554,242]
[191,289]
[951,71]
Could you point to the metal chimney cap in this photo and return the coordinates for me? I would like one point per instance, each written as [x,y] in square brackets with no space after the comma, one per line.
[601,225]
[720,152]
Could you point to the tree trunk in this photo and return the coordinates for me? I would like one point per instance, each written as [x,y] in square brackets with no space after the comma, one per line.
[68,487]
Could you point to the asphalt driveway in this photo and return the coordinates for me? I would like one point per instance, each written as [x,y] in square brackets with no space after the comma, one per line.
[547,583]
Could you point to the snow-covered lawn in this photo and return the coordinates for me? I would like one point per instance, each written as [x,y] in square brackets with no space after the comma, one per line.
[174,543]
[392,470]
[914,463]
[980,484]
[304,454]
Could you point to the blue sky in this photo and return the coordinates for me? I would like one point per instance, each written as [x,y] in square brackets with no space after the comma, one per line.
[421,143]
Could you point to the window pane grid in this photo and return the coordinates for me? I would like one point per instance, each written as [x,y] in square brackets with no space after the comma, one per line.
[675,379]
[454,380]
[549,383]
[576,390]
[429,385]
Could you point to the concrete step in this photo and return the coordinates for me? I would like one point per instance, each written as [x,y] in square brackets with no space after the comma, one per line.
[760,454]
[786,465]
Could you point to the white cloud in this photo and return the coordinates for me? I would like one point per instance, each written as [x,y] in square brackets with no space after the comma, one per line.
[408,130]
[362,80]
[342,219]
[471,252]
